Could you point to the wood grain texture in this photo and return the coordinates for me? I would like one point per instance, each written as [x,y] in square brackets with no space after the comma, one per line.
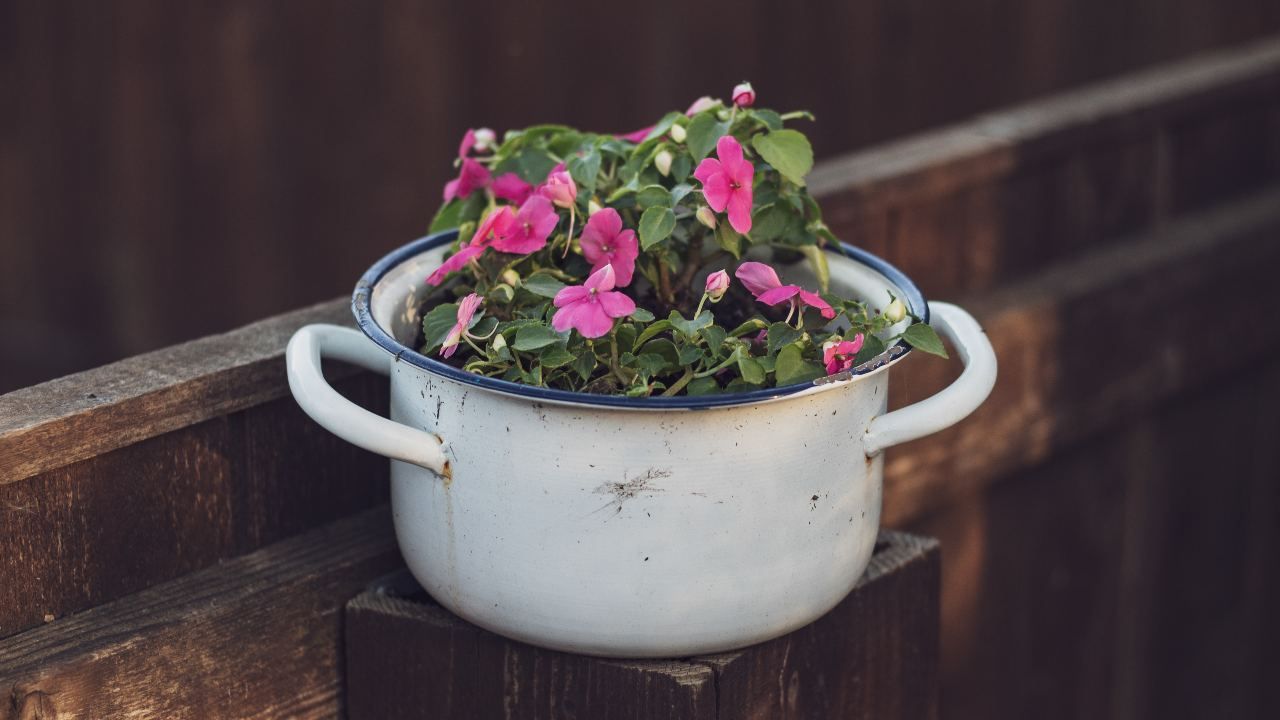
[873,656]
[101,528]
[254,637]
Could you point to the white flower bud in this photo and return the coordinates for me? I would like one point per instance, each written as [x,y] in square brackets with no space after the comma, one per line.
[678,133]
[896,311]
[498,342]
[593,207]
[511,277]
[486,139]
[662,161]
[706,216]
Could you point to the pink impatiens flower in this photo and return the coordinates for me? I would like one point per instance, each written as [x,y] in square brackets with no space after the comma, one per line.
[528,231]
[472,177]
[727,182]
[466,311]
[636,137]
[509,186]
[764,284]
[591,307]
[838,356]
[717,285]
[455,263]
[495,226]
[604,242]
[560,187]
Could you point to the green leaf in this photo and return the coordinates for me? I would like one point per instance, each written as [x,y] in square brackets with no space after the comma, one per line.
[663,348]
[714,336]
[768,222]
[653,330]
[655,225]
[769,118]
[729,239]
[437,323]
[750,369]
[788,151]
[642,315]
[663,125]
[922,337]
[679,192]
[534,165]
[555,356]
[702,386]
[584,364]
[754,325]
[689,328]
[703,132]
[651,363]
[533,337]
[654,196]
[542,284]
[681,167]
[781,334]
[872,346]
[792,368]
[625,334]
[447,217]
[483,327]
[689,354]
[584,170]
[818,261]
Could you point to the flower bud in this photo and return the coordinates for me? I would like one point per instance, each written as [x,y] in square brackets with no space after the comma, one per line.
[703,103]
[486,140]
[502,293]
[896,311]
[706,216]
[717,285]
[593,207]
[511,277]
[744,95]
[678,133]
[560,188]
[662,161]
[498,342]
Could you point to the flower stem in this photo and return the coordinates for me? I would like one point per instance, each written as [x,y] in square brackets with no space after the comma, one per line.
[679,384]
[568,240]
[664,284]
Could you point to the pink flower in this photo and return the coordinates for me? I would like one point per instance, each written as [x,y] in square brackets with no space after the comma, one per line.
[764,284]
[495,226]
[509,186]
[466,310]
[727,182]
[636,137]
[838,356]
[591,307]
[604,242]
[472,177]
[703,103]
[744,95]
[529,230]
[478,139]
[454,263]
[717,285]
[559,187]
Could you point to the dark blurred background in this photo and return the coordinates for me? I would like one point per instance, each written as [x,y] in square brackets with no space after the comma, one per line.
[169,170]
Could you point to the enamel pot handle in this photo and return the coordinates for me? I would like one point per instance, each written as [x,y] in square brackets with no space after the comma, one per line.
[343,417]
[957,400]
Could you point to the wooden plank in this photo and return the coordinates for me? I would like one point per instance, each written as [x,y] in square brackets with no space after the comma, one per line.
[62,421]
[873,656]
[72,537]
[258,636]
[1087,344]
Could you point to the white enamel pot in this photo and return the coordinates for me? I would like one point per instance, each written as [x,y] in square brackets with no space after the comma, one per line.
[651,527]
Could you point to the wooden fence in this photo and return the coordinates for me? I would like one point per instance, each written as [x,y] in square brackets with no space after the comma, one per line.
[1108,519]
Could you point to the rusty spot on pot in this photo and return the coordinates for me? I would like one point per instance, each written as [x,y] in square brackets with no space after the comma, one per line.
[447,473]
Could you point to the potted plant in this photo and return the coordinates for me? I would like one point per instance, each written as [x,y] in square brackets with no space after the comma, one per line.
[638,388]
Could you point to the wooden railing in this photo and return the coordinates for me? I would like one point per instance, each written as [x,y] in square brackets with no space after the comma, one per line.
[1119,243]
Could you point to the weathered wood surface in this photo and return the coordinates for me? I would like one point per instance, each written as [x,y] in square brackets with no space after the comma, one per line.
[873,656]
[259,636]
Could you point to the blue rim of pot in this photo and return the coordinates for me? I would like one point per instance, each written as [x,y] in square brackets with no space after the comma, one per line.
[360,305]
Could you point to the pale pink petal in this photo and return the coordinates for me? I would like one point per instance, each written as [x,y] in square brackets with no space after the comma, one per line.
[494,226]
[468,142]
[778,294]
[703,103]
[450,190]
[451,341]
[757,277]
[616,304]
[636,137]
[467,309]
[814,300]
[454,263]
[601,280]
[592,321]
[740,209]
[570,294]
[717,191]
